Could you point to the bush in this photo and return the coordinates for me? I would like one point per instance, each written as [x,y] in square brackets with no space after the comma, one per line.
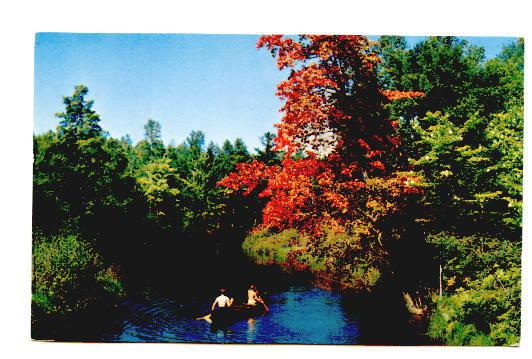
[266,247]
[482,286]
[339,257]
[352,259]
[109,280]
[68,274]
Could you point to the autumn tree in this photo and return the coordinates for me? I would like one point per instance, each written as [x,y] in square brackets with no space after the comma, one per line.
[339,168]
[333,117]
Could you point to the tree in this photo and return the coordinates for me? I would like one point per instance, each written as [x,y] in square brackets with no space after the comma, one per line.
[482,287]
[67,273]
[338,130]
[394,55]
[445,68]
[267,155]
[502,81]
[339,172]
[202,203]
[79,171]
[152,147]
[241,152]
[472,181]
[80,184]
[195,142]
[79,120]
[471,163]
[505,135]
[158,183]
[152,131]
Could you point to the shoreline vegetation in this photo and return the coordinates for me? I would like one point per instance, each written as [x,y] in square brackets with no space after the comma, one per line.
[393,169]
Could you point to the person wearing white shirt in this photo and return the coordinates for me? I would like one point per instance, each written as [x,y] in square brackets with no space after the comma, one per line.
[222,301]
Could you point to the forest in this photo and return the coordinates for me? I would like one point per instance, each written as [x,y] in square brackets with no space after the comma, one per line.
[391,167]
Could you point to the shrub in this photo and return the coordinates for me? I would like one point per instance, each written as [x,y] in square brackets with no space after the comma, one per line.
[109,280]
[266,247]
[68,274]
[482,300]
[339,257]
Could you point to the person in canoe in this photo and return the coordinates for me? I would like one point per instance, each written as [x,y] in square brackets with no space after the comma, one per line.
[220,309]
[222,301]
[221,304]
[254,297]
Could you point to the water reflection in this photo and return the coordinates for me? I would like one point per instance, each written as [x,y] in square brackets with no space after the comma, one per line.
[250,334]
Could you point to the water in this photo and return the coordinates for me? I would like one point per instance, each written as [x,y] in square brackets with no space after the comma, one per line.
[297,315]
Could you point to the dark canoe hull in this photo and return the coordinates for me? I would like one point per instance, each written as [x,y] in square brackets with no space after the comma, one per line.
[226,316]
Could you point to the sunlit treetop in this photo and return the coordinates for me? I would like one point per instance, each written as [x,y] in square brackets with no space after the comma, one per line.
[334,133]
[332,101]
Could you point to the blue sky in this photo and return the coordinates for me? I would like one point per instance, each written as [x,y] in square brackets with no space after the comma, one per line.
[220,84]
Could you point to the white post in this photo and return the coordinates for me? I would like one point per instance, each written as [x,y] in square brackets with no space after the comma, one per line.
[441,286]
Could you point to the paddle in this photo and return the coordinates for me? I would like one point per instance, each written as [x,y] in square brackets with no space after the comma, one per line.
[207,318]
[261,301]
[265,306]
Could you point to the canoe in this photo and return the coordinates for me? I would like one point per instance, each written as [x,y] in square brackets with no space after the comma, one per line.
[226,316]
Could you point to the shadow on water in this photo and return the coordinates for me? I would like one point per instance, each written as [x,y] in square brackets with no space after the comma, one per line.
[384,320]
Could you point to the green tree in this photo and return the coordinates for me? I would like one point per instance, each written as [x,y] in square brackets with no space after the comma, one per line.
[473,171]
[81,176]
[152,147]
[152,131]
[445,68]
[195,142]
[502,81]
[203,201]
[158,184]
[79,120]
[393,51]
[267,153]
[482,291]
[505,135]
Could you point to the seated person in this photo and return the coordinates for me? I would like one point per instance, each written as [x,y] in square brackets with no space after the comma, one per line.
[222,301]
[254,298]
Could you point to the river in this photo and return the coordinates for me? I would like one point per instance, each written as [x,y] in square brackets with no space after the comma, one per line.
[298,315]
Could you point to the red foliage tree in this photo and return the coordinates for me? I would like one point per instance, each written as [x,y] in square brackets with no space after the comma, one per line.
[334,133]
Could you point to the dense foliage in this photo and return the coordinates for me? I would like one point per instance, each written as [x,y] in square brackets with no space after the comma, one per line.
[465,138]
[385,146]
[482,281]
[106,211]
[68,273]
[391,166]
